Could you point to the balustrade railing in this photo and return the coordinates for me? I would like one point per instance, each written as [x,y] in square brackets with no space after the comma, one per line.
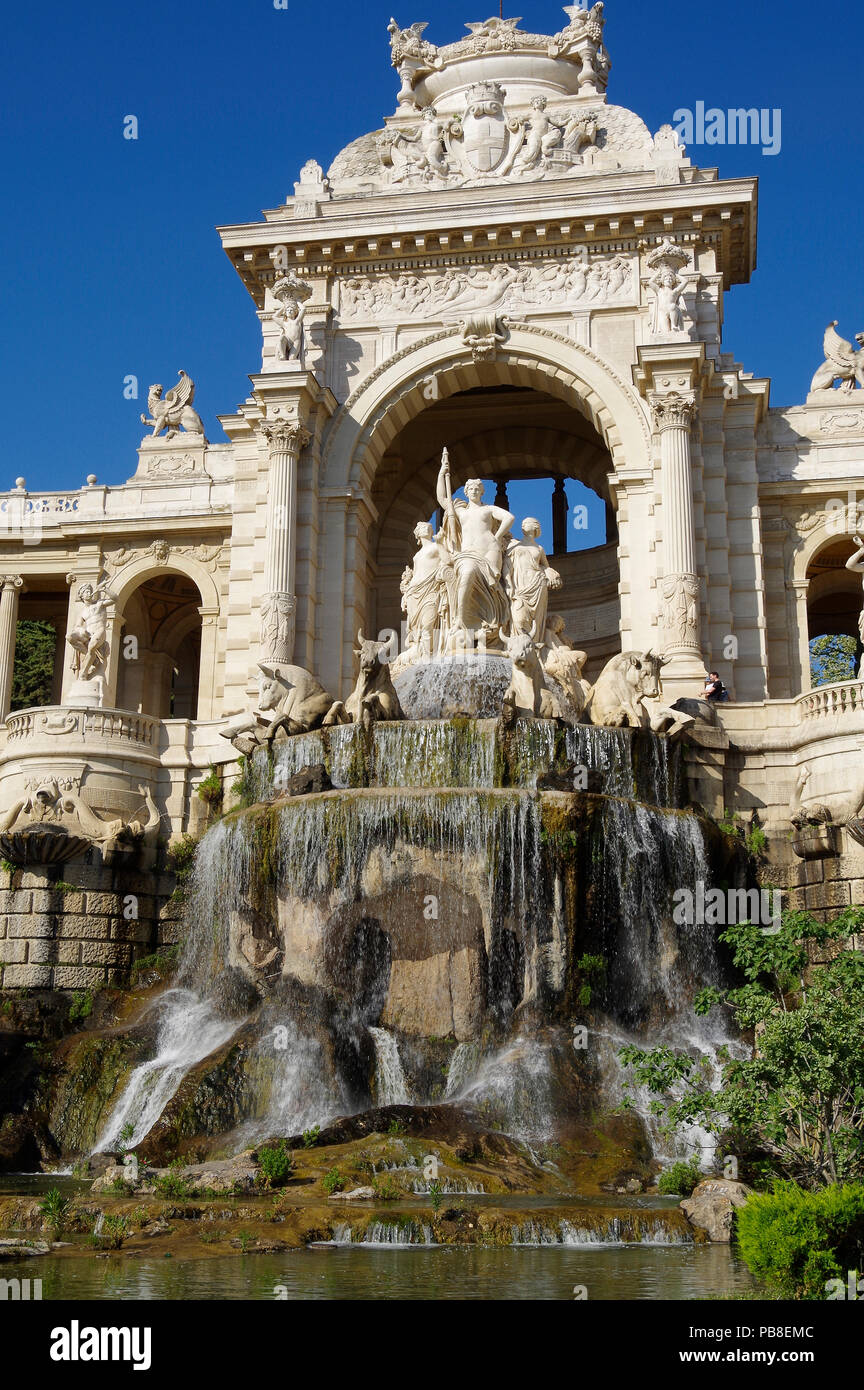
[827,700]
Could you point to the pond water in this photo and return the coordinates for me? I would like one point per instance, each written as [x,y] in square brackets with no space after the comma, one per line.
[442,1273]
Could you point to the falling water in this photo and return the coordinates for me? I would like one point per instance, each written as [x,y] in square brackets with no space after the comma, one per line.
[189,1031]
[391,1088]
[322,854]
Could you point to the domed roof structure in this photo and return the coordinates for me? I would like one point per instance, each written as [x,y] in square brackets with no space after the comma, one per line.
[497,106]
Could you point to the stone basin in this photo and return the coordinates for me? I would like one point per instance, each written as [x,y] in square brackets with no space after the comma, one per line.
[42,844]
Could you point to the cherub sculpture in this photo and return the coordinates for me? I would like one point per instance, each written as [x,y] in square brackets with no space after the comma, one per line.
[667,287]
[173,411]
[291,295]
[841,360]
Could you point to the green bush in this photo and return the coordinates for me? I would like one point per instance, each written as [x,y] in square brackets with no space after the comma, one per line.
[55,1211]
[333,1182]
[386,1190]
[680,1179]
[210,789]
[81,1005]
[310,1136]
[795,1241]
[114,1231]
[173,1184]
[276,1162]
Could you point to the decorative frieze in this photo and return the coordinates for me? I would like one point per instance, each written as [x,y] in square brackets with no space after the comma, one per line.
[502,286]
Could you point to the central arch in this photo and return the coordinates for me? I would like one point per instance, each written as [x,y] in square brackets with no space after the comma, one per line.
[422,374]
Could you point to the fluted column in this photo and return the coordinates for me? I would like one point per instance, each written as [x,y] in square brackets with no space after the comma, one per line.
[10,588]
[673,414]
[285,440]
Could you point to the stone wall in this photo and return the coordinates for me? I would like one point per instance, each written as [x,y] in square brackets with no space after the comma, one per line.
[85,935]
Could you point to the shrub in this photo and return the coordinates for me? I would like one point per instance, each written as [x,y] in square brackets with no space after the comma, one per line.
[333,1182]
[210,789]
[275,1162]
[55,1210]
[795,1241]
[114,1231]
[386,1190]
[172,1183]
[436,1195]
[81,1005]
[310,1136]
[680,1179]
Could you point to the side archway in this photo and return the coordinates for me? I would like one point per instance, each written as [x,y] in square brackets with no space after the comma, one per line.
[165,609]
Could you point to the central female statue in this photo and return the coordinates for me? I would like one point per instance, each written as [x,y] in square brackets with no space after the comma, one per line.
[476,535]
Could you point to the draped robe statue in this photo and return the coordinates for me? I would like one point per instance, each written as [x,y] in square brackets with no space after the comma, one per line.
[476,535]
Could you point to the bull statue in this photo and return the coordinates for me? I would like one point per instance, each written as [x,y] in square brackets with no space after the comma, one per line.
[290,701]
[616,700]
[527,696]
[374,696]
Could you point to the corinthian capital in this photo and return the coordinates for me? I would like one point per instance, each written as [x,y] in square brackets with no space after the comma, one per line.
[672,410]
[285,436]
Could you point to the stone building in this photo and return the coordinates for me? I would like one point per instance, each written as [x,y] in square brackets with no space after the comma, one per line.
[517,269]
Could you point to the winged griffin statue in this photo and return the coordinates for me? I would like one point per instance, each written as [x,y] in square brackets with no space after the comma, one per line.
[173,410]
[841,360]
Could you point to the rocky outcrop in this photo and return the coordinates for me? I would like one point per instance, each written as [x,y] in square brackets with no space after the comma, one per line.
[711,1207]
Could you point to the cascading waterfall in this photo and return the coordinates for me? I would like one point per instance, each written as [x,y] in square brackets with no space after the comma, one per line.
[190,1030]
[391,1088]
[453,803]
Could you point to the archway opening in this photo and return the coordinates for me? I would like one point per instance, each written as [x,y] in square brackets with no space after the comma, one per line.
[538,456]
[834,600]
[160,648]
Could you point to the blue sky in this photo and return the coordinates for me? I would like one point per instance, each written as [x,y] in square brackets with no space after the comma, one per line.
[112,264]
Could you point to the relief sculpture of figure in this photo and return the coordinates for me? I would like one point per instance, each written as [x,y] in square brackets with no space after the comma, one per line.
[477,535]
[528,577]
[541,135]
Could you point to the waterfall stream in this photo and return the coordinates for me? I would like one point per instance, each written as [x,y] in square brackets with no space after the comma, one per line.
[327,891]
[391,1088]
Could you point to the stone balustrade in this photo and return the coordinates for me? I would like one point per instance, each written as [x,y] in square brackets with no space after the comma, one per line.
[846,697]
[138,731]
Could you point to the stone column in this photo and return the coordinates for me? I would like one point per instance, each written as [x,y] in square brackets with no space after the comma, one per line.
[285,440]
[799,635]
[10,588]
[560,515]
[680,587]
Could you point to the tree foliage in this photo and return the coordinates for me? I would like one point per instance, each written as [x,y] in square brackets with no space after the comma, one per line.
[33,672]
[798,1101]
[833,658]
